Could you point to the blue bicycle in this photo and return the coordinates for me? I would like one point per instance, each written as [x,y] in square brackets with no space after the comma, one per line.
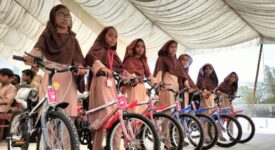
[210,127]
[192,127]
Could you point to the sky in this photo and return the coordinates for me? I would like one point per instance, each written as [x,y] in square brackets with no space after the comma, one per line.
[241,60]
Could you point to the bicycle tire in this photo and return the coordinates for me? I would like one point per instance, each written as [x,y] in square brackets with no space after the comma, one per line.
[199,145]
[252,125]
[214,137]
[177,126]
[234,141]
[60,114]
[111,132]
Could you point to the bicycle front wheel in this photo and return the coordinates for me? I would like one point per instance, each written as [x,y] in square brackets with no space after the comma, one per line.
[230,131]
[60,133]
[169,130]
[193,130]
[142,130]
[210,131]
[248,127]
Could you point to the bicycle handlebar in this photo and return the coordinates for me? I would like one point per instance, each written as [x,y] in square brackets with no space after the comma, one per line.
[155,87]
[177,92]
[41,63]
[126,80]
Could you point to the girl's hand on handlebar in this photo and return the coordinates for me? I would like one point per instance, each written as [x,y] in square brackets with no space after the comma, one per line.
[28,60]
[107,71]
[81,71]
[191,90]
[153,80]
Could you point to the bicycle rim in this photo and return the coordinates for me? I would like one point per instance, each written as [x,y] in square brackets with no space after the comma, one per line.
[144,136]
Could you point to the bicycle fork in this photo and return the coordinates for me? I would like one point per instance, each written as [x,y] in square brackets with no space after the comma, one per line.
[43,125]
[128,137]
[220,121]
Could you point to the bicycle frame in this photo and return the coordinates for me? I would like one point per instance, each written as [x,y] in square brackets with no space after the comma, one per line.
[116,114]
[216,114]
[151,110]
[227,110]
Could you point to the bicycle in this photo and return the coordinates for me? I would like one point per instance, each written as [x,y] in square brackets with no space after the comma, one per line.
[248,132]
[132,124]
[211,132]
[191,125]
[226,137]
[46,121]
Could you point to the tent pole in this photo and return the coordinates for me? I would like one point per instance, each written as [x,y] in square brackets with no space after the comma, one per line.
[256,80]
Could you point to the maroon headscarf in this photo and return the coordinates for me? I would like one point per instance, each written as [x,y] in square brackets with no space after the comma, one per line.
[208,83]
[132,64]
[186,69]
[226,87]
[59,47]
[168,63]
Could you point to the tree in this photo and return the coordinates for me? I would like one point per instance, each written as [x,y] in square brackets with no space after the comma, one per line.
[247,93]
[269,81]
[265,93]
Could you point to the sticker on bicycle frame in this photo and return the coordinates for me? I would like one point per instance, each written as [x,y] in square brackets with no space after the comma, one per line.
[56,85]
[52,95]
[109,83]
[121,100]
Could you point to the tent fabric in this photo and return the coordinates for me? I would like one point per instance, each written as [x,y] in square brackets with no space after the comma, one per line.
[259,14]
[194,24]
[22,21]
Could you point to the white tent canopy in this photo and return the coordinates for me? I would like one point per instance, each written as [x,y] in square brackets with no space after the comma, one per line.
[195,24]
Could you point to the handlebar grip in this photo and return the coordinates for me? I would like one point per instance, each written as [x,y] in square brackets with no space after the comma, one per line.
[172,90]
[147,80]
[19,58]
[183,90]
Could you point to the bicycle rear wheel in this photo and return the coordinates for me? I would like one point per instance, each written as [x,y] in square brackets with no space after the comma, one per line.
[60,133]
[137,125]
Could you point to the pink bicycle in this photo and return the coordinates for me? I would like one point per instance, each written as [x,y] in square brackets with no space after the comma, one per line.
[131,126]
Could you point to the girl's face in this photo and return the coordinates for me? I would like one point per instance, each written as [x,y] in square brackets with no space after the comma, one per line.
[184,60]
[172,50]
[208,71]
[111,37]
[232,78]
[140,48]
[63,18]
